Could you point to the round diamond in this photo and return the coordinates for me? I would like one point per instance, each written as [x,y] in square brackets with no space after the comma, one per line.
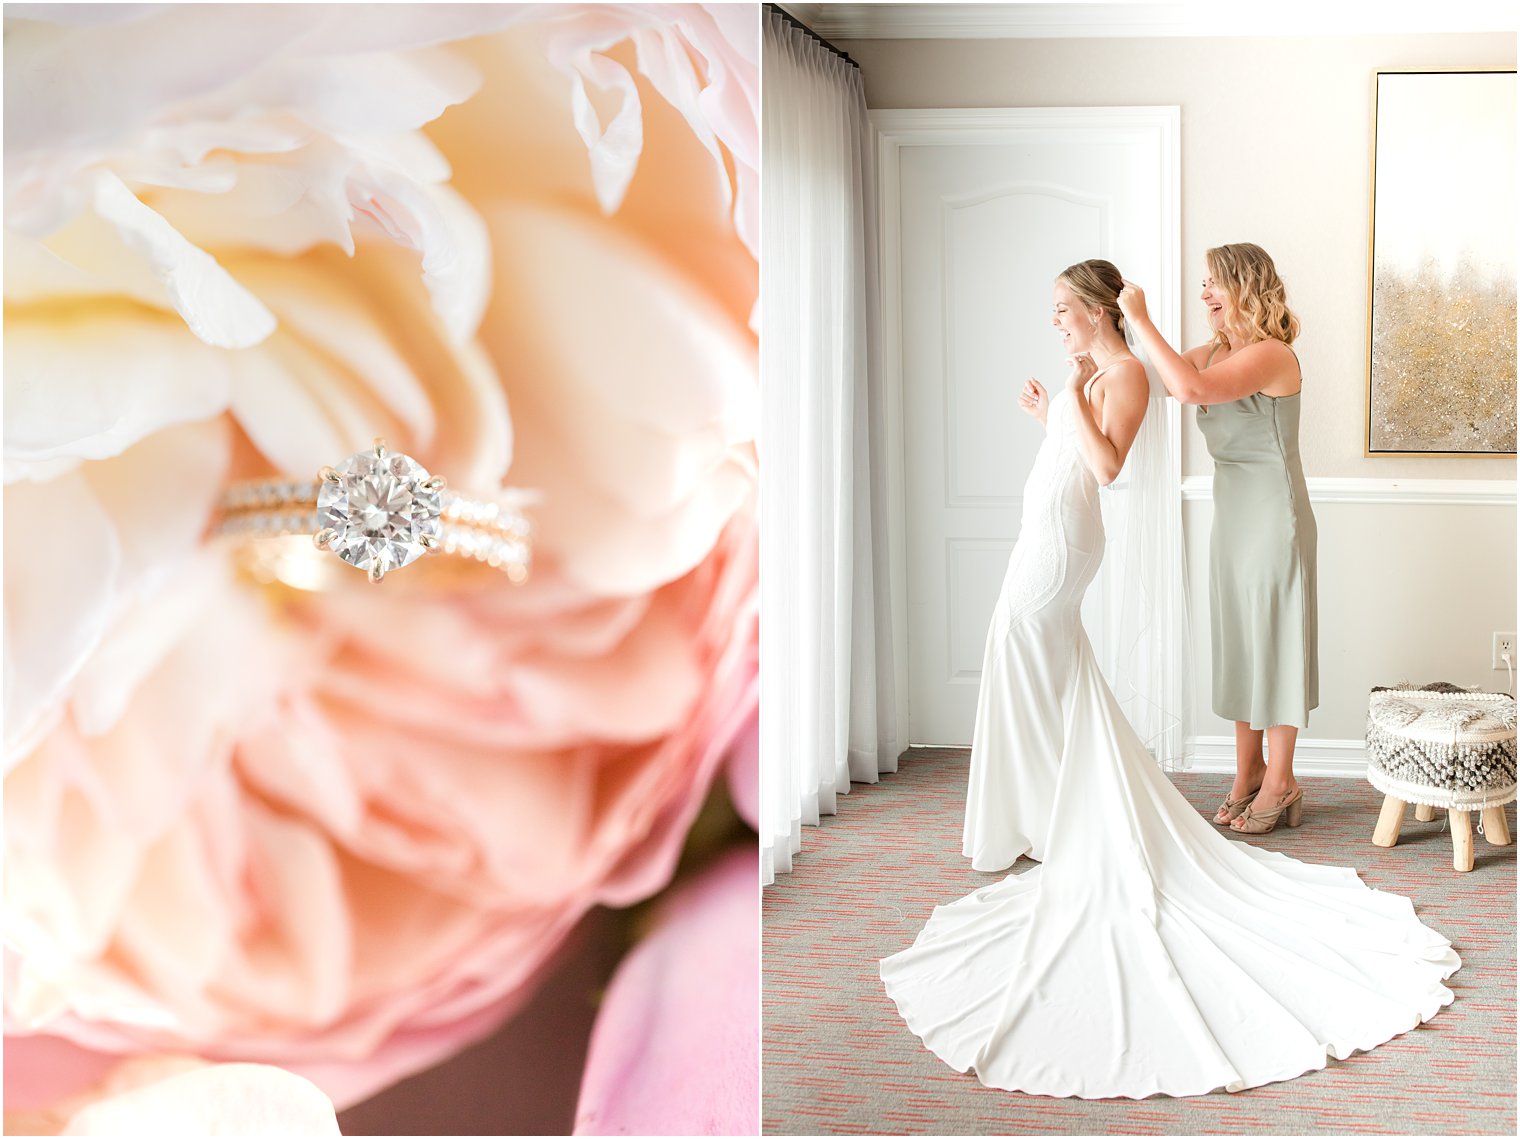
[379,510]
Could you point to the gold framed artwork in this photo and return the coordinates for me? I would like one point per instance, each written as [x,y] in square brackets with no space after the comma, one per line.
[1442,264]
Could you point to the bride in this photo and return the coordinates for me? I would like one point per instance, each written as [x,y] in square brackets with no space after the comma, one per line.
[1147,953]
[1036,626]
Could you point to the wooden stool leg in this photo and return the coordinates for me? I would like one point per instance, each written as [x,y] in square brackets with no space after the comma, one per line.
[1424,812]
[1461,840]
[1390,820]
[1495,826]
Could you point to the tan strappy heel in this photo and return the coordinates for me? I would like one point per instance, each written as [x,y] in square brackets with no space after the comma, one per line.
[1234,808]
[1253,821]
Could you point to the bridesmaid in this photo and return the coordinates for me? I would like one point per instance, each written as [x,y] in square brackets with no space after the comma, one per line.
[1246,382]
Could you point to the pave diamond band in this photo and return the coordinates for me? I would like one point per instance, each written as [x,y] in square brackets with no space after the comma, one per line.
[378,511]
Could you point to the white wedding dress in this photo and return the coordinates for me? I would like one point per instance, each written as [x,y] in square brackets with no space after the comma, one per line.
[1148,952]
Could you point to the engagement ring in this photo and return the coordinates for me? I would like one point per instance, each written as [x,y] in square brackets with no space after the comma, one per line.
[379,511]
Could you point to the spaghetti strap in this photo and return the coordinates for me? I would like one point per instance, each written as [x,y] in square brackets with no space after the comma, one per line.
[1087,388]
[1092,379]
[1212,349]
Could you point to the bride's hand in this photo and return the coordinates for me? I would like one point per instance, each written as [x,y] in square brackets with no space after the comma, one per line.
[1082,370]
[1033,399]
[1132,302]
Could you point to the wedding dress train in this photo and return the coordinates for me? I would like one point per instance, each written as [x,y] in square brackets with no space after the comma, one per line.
[1148,952]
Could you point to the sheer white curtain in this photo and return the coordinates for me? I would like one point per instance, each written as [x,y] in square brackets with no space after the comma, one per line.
[827,713]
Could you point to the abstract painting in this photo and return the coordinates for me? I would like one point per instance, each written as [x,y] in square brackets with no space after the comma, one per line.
[1441,343]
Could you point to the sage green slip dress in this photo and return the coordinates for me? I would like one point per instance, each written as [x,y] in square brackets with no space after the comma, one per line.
[1262,599]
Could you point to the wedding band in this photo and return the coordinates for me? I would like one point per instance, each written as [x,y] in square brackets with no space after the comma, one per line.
[378,511]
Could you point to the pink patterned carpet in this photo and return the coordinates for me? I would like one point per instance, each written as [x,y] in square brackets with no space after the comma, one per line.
[838,1060]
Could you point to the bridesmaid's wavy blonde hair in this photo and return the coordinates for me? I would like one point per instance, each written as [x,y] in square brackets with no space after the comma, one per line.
[1248,277]
[1096,283]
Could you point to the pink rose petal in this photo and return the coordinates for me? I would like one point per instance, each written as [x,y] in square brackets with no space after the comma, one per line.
[744,771]
[676,1049]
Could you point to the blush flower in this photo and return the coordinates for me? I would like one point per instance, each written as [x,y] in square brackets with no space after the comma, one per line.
[343,832]
[679,1013]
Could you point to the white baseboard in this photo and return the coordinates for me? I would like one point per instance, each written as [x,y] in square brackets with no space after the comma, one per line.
[1340,759]
[1406,492]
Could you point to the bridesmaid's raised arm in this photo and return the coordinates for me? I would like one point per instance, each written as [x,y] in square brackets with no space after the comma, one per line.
[1267,366]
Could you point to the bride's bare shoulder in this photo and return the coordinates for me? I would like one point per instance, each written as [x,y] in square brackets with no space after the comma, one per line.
[1126,375]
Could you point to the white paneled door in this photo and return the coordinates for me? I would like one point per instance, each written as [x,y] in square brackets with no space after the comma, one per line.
[980,211]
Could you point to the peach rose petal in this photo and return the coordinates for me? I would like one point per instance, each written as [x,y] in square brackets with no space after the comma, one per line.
[120,374]
[74,581]
[34,273]
[731,103]
[524,107]
[349,364]
[455,249]
[689,56]
[614,147]
[384,191]
[299,967]
[638,690]
[96,827]
[279,194]
[616,553]
[678,202]
[58,599]
[62,907]
[472,443]
[349,92]
[138,643]
[692,362]
[160,495]
[637,443]
[348,345]
[676,1048]
[158,265]
[145,60]
[135,69]
[354,157]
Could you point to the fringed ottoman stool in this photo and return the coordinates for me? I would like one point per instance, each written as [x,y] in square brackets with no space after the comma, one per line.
[1442,747]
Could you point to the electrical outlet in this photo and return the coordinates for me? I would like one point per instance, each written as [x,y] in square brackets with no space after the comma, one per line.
[1504,643]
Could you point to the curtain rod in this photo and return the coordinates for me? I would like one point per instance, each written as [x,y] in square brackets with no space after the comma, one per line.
[778,10]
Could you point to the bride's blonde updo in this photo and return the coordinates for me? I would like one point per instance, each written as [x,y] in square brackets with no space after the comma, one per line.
[1096,283]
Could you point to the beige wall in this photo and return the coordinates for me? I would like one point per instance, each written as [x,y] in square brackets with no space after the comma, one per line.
[1276,137]
[1408,592]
